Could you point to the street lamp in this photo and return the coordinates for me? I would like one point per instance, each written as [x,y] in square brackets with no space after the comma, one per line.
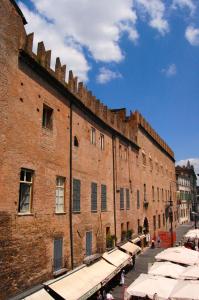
[171,219]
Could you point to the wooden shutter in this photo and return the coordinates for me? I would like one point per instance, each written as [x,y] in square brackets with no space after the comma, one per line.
[93,197]
[121,198]
[103,198]
[58,245]
[88,243]
[76,195]
[127,199]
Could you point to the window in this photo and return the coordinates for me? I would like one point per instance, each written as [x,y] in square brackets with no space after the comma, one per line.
[163,220]
[121,198]
[153,193]
[103,198]
[159,221]
[138,199]
[127,199]
[25,191]
[88,243]
[154,222]
[144,192]
[58,256]
[125,153]
[93,136]
[102,141]
[162,195]
[76,143]
[151,163]
[76,195]
[47,120]
[94,197]
[144,158]
[158,194]
[60,187]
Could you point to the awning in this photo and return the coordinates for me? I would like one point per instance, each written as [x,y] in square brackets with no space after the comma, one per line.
[84,282]
[131,248]
[41,294]
[117,257]
[137,239]
[191,272]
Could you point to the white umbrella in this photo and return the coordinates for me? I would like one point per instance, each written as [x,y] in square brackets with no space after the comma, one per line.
[179,255]
[166,268]
[185,290]
[191,272]
[150,285]
[192,234]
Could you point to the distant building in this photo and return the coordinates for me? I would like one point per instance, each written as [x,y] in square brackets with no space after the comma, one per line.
[75,176]
[186,192]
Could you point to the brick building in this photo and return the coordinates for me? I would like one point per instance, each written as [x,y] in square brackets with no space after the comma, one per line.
[73,173]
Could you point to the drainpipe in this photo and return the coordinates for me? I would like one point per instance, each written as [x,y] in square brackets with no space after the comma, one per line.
[114,183]
[71,178]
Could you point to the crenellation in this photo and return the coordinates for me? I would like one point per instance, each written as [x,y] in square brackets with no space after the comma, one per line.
[48,59]
[58,68]
[29,42]
[41,53]
[70,80]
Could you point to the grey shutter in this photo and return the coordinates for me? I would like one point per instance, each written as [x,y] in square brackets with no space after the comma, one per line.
[88,243]
[76,195]
[58,244]
[121,198]
[93,197]
[103,198]
[138,199]
[127,199]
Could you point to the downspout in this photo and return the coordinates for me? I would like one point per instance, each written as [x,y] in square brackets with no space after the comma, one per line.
[114,183]
[71,186]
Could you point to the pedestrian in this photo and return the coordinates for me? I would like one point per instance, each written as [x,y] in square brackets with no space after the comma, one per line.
[158,240]
[104,294]
[122,277]
[152,244]
[109,296]
[99,296]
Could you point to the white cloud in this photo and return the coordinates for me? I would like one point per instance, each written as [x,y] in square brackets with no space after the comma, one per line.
[93,25]
[170,71]
[192,35]
[156,11]
[107,75]
[184,4]
[194,162]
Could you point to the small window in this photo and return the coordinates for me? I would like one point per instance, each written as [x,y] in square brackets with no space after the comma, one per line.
[25,191]
[159,222]
[145,192]
[60,189]
[143,158]
[158,194]
[102,141]
[94,197]
[93,136]
[151,163]
[121,198]
[47,120]
[154,222]
[125,153]
[76,143]
[153,193]
[163,220]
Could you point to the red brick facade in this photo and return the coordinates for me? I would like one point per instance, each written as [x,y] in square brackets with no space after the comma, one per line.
[27,85]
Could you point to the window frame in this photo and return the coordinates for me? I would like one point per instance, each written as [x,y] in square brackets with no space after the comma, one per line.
[28,183]
[58,188]
[47,121]
[93,136]
[102,141]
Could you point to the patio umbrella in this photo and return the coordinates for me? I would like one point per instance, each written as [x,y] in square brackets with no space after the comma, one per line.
[179,255]
[191,272]
[167,269]
[185,290]
[150,285]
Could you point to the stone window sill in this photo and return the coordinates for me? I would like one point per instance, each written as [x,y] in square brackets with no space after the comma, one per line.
[25,214]
[60,213]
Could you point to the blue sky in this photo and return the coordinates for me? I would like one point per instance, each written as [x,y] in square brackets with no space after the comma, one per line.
[138,54]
